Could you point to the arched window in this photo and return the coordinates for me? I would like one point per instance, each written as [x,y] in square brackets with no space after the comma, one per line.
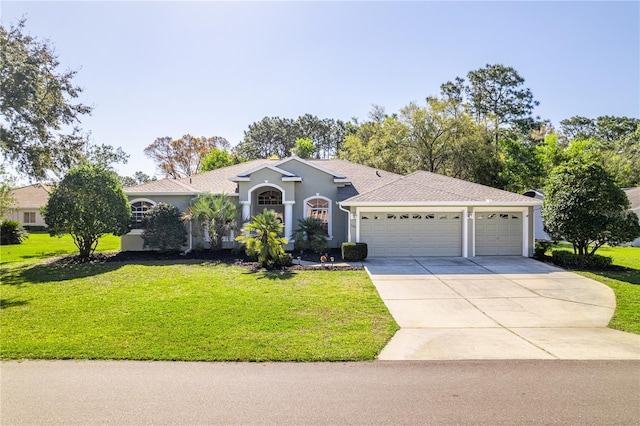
[319,208]
[269,198]
[138,209]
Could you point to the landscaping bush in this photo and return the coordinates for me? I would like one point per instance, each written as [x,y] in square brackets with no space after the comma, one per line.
[34,228]
[541,248]
[570,260]
[285,259]
[12,232]
[163,228]
[310,235]
[354,252]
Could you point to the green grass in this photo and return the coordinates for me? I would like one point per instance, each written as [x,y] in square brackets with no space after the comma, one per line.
[625,284]
[40,245]
[187,310]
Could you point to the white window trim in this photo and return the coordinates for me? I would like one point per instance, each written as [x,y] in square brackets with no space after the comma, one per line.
[330,219]
[139,200]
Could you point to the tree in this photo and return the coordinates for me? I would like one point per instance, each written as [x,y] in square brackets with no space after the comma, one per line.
[88,203]
[182,157]
[311,234]
[6,186]
[138,178]
[304,148]
[39,129]
[262,238]
[494,92]
[584,206]
[217,213]
[275,136]
[163,228]
[216,159]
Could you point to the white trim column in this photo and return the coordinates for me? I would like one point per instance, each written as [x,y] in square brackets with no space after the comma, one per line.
[288,218]
[246,214]
[465,232]
[525,232]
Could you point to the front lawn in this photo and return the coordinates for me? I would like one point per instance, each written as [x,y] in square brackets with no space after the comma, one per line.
[196,311]
[625,284]
[40,245]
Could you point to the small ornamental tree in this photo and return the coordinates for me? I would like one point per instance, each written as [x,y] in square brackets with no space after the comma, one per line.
[262,238]
[311,235]
[583,205]
[88,203]
[163,228]
[217,213]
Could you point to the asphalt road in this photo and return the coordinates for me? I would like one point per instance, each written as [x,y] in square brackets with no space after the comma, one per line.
[381,392]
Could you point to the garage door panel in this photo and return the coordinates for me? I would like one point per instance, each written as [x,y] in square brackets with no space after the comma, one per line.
[412,234]
[498,234]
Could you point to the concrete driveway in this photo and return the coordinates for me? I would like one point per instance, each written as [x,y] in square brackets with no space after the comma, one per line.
[451,308]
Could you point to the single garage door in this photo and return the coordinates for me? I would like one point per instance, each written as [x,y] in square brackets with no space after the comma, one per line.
[412,234]
[498,234]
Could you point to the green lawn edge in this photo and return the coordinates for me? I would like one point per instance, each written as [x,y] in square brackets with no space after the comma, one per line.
[184,311]
[625,284]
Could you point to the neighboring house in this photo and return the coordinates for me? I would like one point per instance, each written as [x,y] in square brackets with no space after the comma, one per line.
[421,214]
[537,215]
[27,203]
[633,194]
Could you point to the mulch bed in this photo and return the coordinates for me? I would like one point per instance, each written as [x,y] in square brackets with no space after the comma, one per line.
[228,257]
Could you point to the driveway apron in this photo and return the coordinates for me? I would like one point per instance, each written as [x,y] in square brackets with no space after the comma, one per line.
[452,308]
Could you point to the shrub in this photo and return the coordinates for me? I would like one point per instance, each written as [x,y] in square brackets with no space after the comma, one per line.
[163,228]
[354,252]
[12,232]
[35,228]
[541,248]
[570,260]
[311,235]
[285,259]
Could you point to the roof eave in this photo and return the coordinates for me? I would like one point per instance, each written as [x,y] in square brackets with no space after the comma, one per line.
[440,203]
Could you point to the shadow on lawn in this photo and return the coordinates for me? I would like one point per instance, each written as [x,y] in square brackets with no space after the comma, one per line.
[54,272]
[631,276]
[10,303]
[272,275]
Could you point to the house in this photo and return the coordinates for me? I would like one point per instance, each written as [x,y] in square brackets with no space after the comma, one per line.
[421,214]
[537,215]
[27,202]
[633,194]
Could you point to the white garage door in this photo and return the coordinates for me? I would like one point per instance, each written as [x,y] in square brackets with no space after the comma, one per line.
[412,234]
[498,234]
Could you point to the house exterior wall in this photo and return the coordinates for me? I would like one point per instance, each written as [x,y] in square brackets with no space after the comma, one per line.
[18,215]
[636,242]
[132,241]
[314,183]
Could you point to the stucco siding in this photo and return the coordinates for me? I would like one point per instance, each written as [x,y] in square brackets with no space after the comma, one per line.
[19,215]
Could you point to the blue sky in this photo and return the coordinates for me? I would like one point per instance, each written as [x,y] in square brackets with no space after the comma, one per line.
[155,69]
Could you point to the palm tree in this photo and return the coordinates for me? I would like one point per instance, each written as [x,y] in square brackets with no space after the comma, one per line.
[217,213]
[311,235]
[262,238]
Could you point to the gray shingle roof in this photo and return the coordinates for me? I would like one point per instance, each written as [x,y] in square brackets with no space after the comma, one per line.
[633,194]
[31,196]
[368,185]
[430,188]
[214,181]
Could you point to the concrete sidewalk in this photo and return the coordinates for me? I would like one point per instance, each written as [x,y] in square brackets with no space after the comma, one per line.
[496,308]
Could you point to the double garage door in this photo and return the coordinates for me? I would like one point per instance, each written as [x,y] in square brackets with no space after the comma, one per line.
[439,233]
[412,234]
